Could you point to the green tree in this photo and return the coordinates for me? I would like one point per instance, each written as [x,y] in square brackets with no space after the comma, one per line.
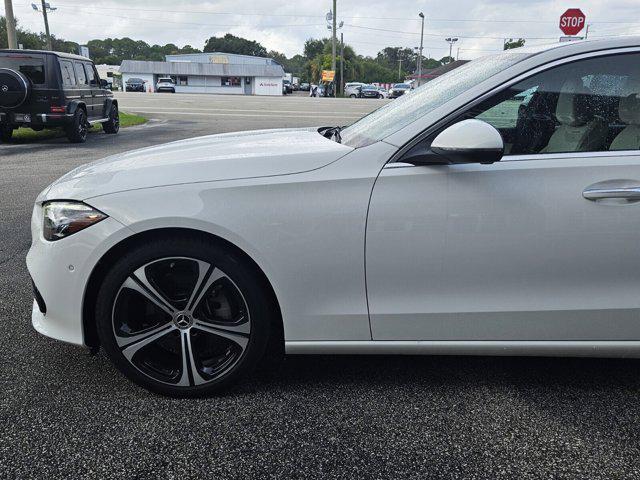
[390,57]
[511,43]
[314,47]
[232,44]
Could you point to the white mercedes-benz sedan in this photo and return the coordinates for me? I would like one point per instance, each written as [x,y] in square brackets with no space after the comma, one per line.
[495,210]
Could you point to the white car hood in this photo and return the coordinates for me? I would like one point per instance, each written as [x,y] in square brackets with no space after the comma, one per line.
[227,156]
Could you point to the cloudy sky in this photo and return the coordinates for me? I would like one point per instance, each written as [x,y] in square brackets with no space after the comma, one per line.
[369,25]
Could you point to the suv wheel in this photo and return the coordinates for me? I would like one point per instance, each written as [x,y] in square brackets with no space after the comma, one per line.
[182,318]
[77,130]
[113,124]
[6,132]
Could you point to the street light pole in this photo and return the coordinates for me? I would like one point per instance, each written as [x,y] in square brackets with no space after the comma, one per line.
[342,64]
[333,42]
[46,25]
[421,15]
[11,24]
[451,41]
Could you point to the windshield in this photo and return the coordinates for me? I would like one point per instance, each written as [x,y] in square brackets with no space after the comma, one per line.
[401,85]
[30,67]
[408,108]
[169,80]
[134,80]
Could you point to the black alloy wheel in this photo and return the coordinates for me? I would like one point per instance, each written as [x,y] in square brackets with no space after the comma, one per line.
[78,129]
[182,320]
[113,124]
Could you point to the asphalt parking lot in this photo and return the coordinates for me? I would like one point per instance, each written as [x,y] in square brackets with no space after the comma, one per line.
[65,414]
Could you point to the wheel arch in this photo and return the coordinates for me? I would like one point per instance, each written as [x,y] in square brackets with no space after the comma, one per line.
[89,330]
[73,106]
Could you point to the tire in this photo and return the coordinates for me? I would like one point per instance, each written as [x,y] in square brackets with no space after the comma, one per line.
[78,129]
[352,96]
[112,125]
[236,306]
[16,88]
[6,132]
[173,90]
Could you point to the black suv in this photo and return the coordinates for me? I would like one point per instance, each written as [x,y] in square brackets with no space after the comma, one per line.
[50,89]
[134,85]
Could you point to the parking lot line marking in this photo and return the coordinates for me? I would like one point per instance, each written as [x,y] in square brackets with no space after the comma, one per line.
[129,107]
[278,114]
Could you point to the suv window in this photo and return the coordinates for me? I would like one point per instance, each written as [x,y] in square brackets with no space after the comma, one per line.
[91,78]
[68,77]
[582,106]
[82,77]
[30,67]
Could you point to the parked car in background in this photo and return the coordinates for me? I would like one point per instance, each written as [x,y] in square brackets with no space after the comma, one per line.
[166,84]
[370,91]
[288,86]
[41,89]
[352,89]
[135,85]
[399,89]
[383,92]
[305,87]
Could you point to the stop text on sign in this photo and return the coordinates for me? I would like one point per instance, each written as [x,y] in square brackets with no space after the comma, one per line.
[572,21]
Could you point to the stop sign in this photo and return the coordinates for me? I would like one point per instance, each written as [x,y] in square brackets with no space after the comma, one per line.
[572,21]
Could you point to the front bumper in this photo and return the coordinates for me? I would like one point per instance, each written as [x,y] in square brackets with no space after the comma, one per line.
[60,272]
[35,119]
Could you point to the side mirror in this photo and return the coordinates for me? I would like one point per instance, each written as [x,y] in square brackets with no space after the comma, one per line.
[104,83]
[468,141]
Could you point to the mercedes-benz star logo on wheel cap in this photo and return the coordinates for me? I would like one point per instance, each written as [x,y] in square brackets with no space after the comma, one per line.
[183,320]
[5,88]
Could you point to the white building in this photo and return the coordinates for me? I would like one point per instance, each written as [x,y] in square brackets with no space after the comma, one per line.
[110,73]
[214,72]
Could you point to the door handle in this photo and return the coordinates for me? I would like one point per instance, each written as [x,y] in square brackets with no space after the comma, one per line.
[614,191]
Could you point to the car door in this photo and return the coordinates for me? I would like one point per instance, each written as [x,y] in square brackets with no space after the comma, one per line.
[84,89]
[97,93]
[543,245]
[69,83]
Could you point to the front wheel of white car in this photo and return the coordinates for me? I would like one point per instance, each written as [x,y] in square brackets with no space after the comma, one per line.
[182,318]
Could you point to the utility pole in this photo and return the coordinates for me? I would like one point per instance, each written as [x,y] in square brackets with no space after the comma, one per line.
[333,41]
[399,69]
[421,15]
[46,25]
[342,64]
[12,40]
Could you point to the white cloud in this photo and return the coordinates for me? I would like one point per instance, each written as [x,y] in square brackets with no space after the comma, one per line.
[284,26]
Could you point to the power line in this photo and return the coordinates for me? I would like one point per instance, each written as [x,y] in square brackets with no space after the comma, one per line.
[459,36]
[354,17]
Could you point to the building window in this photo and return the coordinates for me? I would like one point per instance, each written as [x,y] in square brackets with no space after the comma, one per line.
[182,80]
[230,81]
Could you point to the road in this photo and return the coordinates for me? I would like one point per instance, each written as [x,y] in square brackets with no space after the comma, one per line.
[66,414]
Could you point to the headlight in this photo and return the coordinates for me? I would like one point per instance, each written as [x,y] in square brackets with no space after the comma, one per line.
[64,218]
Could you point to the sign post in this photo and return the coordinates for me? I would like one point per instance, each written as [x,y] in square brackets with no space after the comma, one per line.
[572,21]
